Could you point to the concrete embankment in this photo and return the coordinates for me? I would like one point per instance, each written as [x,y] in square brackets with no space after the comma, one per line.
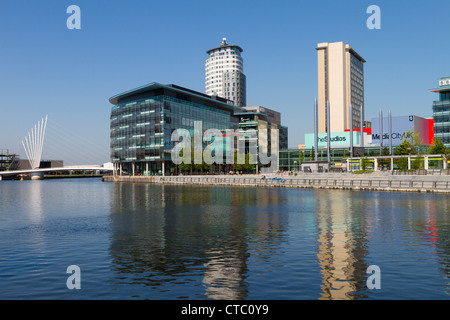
[343,181]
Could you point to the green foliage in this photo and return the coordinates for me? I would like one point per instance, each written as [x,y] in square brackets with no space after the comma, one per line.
[312,155]
[192,166]
[364,163]
[402,163]
[413,137]
[417,163]
[185,166]
[247,166]
[438,147]
[411,142]
[405,148]
[362,171]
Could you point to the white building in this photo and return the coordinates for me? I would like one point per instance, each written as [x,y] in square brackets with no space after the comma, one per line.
[224,73]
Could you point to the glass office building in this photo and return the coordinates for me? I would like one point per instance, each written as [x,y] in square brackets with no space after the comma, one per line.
[143,119]
[441,111]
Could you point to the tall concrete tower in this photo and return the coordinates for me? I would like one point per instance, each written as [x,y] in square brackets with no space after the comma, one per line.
[224,73]
[341,82]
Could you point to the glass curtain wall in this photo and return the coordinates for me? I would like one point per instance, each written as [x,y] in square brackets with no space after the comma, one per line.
[441,116]
[141,131]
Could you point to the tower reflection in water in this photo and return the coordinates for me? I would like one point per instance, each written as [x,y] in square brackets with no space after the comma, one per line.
[188,236]
[341,237]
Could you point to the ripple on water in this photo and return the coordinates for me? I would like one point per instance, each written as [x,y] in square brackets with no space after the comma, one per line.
[136,241]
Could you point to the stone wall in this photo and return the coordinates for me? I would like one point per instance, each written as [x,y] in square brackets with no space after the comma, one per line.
[320,181]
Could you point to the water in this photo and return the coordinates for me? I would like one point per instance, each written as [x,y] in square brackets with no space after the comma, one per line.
[142,241]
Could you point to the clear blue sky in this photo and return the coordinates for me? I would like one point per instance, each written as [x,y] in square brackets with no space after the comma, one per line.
[69,75]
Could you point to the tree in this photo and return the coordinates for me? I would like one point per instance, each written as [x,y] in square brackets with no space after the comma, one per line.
[411,145]
[185,166]
[384,162]
[438,147]
[248,164]
[418,163]
[405,148]
[365,163]
[312,155]
[402,163]
[413,140]
[301,157]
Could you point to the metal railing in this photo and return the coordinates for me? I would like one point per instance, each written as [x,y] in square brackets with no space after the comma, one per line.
[434,172]
[301,182]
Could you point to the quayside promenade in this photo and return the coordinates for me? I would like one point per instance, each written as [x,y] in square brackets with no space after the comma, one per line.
[376,181]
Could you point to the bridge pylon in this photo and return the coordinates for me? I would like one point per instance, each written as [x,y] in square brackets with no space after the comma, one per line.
[34,143]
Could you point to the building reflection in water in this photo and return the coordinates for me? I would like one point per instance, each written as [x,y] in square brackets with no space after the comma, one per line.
[350,224]
[163,234]
[243,213]
[341,238]
[215,242]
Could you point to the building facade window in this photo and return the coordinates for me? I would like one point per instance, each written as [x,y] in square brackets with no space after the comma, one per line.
[441,112]
[141,124]
[223,68]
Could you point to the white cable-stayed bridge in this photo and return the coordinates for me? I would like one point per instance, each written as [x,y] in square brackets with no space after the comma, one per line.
[61,143]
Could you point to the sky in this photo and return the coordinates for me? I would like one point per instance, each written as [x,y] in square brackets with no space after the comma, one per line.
[69,75]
